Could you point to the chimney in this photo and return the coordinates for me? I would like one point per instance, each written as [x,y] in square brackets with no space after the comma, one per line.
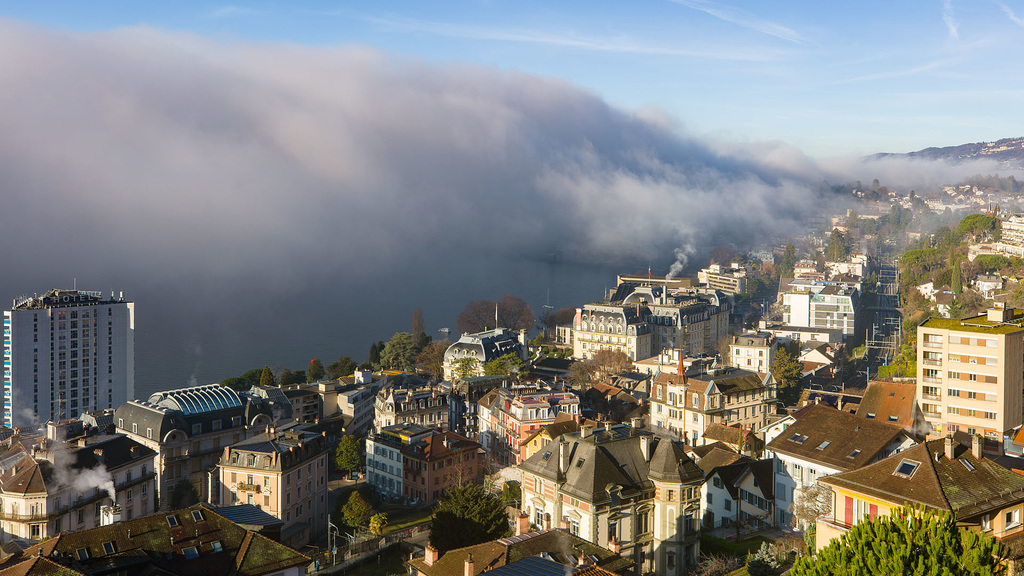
[99,455]
[547,521]
[564,523]
[645,446]
[636,423]
[563,456]
[430,555]
[977,446]
[614,545]
[522,524]
[585,430]
[469,565]
[950,446]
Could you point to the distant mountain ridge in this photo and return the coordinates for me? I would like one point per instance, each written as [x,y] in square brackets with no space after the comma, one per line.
[1008,152]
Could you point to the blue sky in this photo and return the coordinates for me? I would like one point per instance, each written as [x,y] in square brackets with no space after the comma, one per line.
[829,78]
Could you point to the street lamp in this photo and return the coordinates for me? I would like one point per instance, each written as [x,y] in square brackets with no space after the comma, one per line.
[332,542]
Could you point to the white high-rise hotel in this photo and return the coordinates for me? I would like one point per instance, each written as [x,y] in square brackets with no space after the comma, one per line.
[67,352]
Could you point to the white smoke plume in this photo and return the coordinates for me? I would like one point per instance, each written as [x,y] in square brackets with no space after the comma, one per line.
[682,255]
[83,480]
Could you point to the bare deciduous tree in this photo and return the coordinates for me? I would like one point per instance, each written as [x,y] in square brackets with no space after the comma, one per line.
[811,503]
[510,312]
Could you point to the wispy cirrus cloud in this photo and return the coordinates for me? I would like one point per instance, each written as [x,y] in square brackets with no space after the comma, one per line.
[744,19]
[952,24]
[622,45]
[903,72]
[1011,15]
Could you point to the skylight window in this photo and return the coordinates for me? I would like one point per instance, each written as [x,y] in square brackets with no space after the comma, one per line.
[798,438]
[579,463]
[871,415]
[191,553]
[906,468]
[217,547]
[545,457]
[197,516]
[823,445]
[853,454]
[109,548]
[893,418]
[82,554]
[967,464]
[172,521]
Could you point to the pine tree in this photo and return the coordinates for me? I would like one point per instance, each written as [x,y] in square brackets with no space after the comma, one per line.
[316,371]
[910,541]
[955,283]
[467,515]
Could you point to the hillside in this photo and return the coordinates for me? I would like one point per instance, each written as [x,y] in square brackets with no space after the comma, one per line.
[1008,152]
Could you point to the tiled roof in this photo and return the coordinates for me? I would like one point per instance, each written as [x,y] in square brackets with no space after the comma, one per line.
[889,402]
[38,566]
[964,484]
[836,439]
[561,546]
[719,457]
[151,540]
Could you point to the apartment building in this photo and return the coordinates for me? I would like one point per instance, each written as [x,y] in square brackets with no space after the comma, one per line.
[940,475]
[970,374]
[189,429]
[484,347]
[621,487]
[65,353]
[823,306]
[753,351]
[687,405]
[426,406]
[55,487]
[728,279]
[506,417]
[434,463]
[385,462]
[284,473]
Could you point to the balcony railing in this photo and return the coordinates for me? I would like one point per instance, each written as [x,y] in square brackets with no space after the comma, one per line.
[928,362]
[932,344]
[931,396]
[931,380]
[249,487]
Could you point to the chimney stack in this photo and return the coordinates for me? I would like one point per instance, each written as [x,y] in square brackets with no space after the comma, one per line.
[950,446]
[522,524]
[977,446]
[430,555]
[614,545]
[469,565]
[585,430]
[564,523]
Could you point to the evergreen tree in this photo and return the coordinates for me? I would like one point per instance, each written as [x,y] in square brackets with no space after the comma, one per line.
[345,366]
[467,515]
[399,353]
[955,282]
[788,261]
[315,372]
[184,494]
[787,372]
[912,541]
[375,350]
[266,377]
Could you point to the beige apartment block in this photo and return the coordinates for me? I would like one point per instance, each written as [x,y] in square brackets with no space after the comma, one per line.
[970,374]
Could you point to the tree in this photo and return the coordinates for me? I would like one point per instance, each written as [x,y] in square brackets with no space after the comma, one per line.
[787,373]
[291,377]
[785,268]
[399,353]
[955,282]
[810,503]
[512,313]
[378,521]
[266,378]
[838,249]
[348,455]
[315,372]
[374,356]
[763,562]
[467,515]
[184,494]
[431,358]
[599,368]
[465,367]
[560,317]
[417,322]
[343,367]
[509,363]
[356,510]
[909,541]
